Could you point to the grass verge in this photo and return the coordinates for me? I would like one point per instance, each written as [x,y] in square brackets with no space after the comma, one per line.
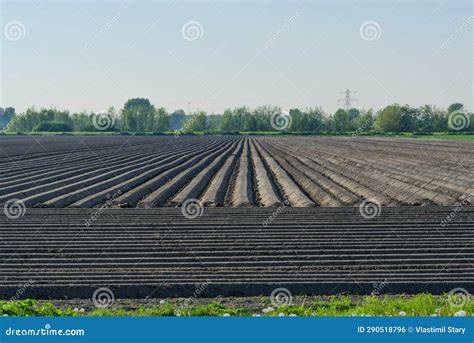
[448,136]
[342,305]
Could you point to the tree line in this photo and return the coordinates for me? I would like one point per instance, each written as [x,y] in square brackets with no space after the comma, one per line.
[139,115]
[6,115]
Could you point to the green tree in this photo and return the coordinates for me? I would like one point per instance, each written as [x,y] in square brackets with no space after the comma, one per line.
[177,118]
[161,121]
[364,121]
[440,120]
[52,127]
[341,121]
[226,120]
[82,122]
[353,113]
[316,120]
[410,119]
[389,119]
[138,115]
[249,122]
[457,106]
[31,118]
[6,115]
[197,123]
[263,116]
[214,122]
[298,120]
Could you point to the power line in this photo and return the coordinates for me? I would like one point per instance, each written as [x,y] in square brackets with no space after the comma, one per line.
[347,99]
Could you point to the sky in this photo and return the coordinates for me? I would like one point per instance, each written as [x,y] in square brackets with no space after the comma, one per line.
[89,55]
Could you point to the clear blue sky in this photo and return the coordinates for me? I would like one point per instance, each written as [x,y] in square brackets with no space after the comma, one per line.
[88,55]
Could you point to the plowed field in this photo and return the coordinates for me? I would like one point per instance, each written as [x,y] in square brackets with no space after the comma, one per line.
[234,171]
[159,252]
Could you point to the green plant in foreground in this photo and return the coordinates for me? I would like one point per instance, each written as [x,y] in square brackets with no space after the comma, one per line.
[341,305]
[29,307]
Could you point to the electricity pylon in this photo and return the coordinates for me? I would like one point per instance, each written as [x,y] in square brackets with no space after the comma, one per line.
[347,99]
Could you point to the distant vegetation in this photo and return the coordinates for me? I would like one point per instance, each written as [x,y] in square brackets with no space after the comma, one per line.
[139,115]
[6,114]
[52,127]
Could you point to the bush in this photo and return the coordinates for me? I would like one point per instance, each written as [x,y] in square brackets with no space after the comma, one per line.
[52,127]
